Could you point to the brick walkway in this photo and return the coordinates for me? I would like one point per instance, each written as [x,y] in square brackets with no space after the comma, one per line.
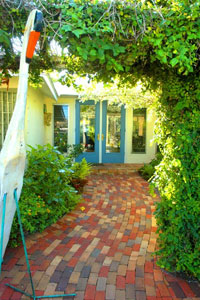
[102,252]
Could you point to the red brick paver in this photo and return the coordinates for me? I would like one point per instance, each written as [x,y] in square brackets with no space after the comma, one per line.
[101,252]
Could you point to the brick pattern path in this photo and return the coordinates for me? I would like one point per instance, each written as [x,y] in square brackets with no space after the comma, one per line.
[103,252]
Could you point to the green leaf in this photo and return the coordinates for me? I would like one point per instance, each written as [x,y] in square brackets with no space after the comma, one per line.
[101,54]
[174,61]
[78,32]
[180,105]
[67,28]
[93,52]
[161,52]
[4,38]
[157,42]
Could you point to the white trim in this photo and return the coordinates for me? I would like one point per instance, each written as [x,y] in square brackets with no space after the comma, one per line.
[49,83]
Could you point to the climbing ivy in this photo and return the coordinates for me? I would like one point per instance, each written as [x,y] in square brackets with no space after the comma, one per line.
[156,42]
[178,175]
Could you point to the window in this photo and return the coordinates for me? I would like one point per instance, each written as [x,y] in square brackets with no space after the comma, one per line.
[61,116]
[113,129]
[87,127]
[7,104]
[139,131]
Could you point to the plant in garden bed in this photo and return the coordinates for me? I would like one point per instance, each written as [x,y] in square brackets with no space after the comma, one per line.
[80,172]
[47,192]
[148,170]
[72,151]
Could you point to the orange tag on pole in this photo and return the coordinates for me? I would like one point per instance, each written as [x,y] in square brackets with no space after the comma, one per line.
[33,38]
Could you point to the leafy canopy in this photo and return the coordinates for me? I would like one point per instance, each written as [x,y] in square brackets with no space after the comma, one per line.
[134,39]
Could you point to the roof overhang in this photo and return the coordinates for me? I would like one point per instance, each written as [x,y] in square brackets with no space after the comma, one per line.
[48,87]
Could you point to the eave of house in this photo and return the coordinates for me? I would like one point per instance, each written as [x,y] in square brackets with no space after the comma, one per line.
[48,87]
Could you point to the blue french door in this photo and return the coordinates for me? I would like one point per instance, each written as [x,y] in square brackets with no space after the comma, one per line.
[87,130]
[113,133]
[111,136]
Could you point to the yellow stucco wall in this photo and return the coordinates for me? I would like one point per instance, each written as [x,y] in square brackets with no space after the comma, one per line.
[34,119]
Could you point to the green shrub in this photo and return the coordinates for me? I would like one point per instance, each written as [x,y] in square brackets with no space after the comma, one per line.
[74,151]
[47,192]
[148,170]
[48,174]
[80,172]
[81,169]
[60,140]
[62,145]
[178,176]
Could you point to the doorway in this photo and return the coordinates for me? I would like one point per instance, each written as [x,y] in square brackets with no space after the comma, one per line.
[100,128]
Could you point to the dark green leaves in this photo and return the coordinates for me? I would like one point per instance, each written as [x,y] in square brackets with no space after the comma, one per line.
[174,61]
[4,38]
[78,32]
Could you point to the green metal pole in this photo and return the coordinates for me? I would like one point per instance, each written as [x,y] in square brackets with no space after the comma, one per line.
[23,241]
[2,229]
[34,297]
[18,290]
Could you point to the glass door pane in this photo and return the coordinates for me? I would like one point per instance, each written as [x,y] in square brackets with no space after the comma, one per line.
[87,130]
[139,131]
[113,129]
[61,127]
[87,127]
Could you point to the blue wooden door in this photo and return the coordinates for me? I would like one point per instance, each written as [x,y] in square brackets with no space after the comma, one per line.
[87,130]
[113,133]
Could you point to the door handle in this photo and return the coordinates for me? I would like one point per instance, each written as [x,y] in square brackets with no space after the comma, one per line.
[98,137]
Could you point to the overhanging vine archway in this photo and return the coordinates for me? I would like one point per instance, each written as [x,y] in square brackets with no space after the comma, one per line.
[156,42]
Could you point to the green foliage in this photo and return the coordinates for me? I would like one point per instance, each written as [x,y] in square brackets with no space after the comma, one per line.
[148,170]
[81,170]
[47,192]
[61,141]
[62,145]
[48,174]
[74,151]
[105,38]
[4,38]
[178,176]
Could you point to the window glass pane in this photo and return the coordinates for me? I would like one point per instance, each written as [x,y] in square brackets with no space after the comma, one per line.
[61,116]
[139,131]
[113,128]
[87,127]
[7,103]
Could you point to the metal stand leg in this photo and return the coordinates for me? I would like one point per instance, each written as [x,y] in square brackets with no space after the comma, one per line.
[33,296]
[2,229]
